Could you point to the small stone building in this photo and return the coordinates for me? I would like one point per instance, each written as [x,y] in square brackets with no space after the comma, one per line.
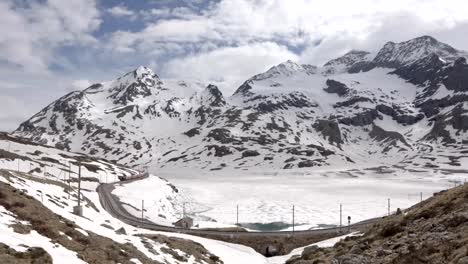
[185,222]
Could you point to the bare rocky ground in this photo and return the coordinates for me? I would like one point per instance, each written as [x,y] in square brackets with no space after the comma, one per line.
[177,245]
[435,231]
[91,249]
[33,255]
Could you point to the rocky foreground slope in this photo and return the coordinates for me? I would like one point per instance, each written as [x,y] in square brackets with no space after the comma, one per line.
[407,104]
[38,190]
[435,231]
[32,233]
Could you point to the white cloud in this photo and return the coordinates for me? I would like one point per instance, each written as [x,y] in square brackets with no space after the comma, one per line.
[158,13]
[224,41]
[163,33]
[30,34]
[223,33]
[230,66]
[387,29]
[120,11]
[299,22]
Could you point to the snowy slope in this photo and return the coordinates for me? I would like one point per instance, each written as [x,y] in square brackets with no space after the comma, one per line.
[22,155]
[99,222]
[45,162]
[384,108]
[21,242]
[162,202]
[41,176]
[408,52]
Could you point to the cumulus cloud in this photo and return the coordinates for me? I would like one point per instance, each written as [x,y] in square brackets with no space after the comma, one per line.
[294,22]
[222,41]
[120,11]
[229,66]
[387,29]
[31,33]
[165,13]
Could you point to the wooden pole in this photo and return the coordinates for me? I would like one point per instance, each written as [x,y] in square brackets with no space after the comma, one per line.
[237,216]
[389,206]
[69,179]
[79,184]
[293,218]
[341,215]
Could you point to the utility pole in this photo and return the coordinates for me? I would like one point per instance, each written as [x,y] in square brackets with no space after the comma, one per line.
[420,194]
[69,179]
[341,217]
[389,206]
[78,209]
[237,216]
[18,164]
[293,218]
[183,211]
[79,184]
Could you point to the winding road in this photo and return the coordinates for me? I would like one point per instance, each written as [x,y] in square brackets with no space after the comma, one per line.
[112,205]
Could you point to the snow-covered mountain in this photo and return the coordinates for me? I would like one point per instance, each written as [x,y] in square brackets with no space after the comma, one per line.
[406,104]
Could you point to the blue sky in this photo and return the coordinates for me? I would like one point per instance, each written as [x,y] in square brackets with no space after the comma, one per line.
[51,47]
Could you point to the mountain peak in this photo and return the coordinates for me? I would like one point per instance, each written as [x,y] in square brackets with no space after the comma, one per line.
[426,38]
[346,61]
[145,74]
[394,55]
[212,96]
[142,71]
[138,82]
[286,68]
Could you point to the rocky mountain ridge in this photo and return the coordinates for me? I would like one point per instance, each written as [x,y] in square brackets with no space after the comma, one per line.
[408,104]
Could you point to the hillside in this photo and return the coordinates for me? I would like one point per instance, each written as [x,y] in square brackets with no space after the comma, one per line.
[435,231]
[38,191]
[405,105]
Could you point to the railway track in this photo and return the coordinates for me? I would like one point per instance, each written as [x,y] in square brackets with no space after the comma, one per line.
[112,205]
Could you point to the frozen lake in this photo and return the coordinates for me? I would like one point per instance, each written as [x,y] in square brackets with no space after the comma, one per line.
[265,197]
